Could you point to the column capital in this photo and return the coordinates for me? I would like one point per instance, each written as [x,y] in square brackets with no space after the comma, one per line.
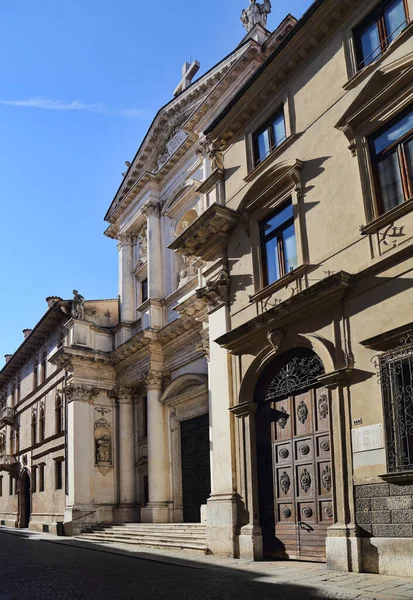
[155,380]
[215,293]
[123,395]
[126,240]
[82,393]
[152,208]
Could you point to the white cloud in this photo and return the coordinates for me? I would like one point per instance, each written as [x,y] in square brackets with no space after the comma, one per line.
[98,107]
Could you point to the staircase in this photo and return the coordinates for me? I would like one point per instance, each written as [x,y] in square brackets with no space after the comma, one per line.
[189,537]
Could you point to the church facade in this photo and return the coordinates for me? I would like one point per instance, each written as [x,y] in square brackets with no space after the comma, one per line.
[256,373]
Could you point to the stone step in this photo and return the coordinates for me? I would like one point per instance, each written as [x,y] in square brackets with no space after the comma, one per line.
[146,541]
[164,534]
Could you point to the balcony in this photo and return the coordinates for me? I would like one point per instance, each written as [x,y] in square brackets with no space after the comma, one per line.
[7,416]
[8,463]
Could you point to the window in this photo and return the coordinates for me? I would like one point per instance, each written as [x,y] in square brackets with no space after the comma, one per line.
[41,477]
[18,389]
[44,367]
[13,394]
[1,485]
[396,379]
[373,36]
[278,244]
[11,439]
[269,137]
[144,290]
[10,485]
[17,440]
[42,424]
[35,371]
[59,413]
[34,479]
[58,474]
[34,429]
[392,152]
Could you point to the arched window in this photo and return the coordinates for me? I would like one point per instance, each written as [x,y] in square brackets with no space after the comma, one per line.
[44,366]
[35,373]
[59,414]
[34,429]
[42,424]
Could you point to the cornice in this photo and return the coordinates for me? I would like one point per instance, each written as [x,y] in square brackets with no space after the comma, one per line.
[141,340]
[331,289]
[65,356]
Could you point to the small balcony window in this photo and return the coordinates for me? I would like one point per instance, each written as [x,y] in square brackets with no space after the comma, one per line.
[373,36]
[144,290]
[269,137]
[392,153]
[278,242]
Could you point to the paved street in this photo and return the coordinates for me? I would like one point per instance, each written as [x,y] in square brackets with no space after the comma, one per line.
[43,567]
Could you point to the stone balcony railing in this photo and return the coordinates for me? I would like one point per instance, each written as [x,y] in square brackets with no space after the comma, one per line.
[7,415]
[8,462]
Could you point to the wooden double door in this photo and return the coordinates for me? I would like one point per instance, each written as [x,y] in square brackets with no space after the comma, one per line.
[196,474]
[296,494]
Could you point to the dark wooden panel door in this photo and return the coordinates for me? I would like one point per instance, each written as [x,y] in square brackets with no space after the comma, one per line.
[196,478]
[302,475]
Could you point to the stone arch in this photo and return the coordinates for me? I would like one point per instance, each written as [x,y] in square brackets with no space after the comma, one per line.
[25,499]
[319,345]
[186,220]
[182,385]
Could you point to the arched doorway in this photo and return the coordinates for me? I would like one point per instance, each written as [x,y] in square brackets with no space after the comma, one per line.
[25,503]
[293,457]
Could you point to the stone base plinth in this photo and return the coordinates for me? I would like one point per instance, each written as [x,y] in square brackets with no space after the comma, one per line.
[126,513]
[79,517]
[343,548]
[250,543]
[222,511]
[156,512]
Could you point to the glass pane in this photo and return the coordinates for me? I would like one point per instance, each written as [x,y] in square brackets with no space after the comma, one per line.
[370,43]
[409,156]
[393,133]
[290,249]
[395,19]
[278,219]
[263,140]
[273,267]
[390,182]
[279,129]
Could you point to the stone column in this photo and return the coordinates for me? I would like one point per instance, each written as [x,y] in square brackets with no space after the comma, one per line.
[152,211]
[250,539]
[222,511]
[157,509]
[127,510]
[80,458]
[126,279]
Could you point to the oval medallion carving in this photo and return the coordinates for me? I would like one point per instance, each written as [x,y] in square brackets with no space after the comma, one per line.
[326,478]
[286,513]
[325,445]
[304,449]
[284,453]
[328,511]
[323,406]
[307,512]
[305,480]
[283,420]
[302,412]
[285,482]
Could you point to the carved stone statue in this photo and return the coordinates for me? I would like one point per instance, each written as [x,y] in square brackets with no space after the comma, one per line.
[208,148]
[256,14]
[103,449]
[143,245]
[78,306]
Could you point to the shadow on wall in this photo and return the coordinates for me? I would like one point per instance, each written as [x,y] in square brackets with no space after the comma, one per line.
[95,572]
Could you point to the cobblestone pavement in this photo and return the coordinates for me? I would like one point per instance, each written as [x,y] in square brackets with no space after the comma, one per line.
[44,567]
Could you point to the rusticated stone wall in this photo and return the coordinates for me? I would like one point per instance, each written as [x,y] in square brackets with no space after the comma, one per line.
[385,509]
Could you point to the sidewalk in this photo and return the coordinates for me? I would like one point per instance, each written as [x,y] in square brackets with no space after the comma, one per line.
[334,584]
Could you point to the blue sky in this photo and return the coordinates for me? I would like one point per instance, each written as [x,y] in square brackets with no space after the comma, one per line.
[81,81]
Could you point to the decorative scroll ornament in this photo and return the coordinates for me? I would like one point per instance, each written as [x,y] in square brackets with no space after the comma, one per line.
[215,293]
[285,482]
[307,512]
[305,480]
[326,478]
[286,513]
[323,406]
[328,511]
[302,412]
[296,375]
[284,453]
[304,449]
[282,421]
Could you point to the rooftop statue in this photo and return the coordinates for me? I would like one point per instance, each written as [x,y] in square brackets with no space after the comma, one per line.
[255,14]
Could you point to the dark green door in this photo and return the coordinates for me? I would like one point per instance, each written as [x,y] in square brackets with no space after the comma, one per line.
[196,479]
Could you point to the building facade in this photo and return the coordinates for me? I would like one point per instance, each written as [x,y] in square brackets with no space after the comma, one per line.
[258,374]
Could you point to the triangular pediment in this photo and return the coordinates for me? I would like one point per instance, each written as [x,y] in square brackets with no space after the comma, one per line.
[382,86]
